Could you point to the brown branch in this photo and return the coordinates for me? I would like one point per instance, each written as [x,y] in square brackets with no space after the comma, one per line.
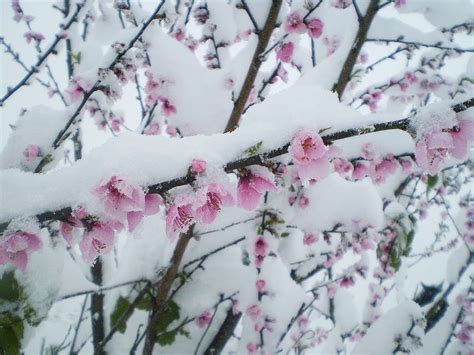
[259,159]
[364,25]
[164,287]
[263,39]
[97,310]
[225,332]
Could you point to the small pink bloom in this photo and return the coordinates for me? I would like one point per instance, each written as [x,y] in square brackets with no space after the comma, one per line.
[310,155]
[198,166]
[179,216]
[315,28]
[31,152]
[331,291]
[179,34]
[252,348]
[153,129]
[171,130]
[310,238]
[15,248]
[261,286]
[343,167]
[204,319]
[346,281]
[261,246]
[303,201]
[228,83]
[400,3]
[251,185]
[209,201]
[152,204]
[431,150]
[380,170]
[76,88]
[285,52]
[360,170]
[98,240]
[294,23]
[254,312]
[167,107]
[36,36]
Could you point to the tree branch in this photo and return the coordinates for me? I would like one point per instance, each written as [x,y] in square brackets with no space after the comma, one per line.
[364,26]
[263,39]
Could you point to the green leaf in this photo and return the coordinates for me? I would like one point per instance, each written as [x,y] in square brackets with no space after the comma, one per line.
[145,303]
[432,181]
[169,315]
[167,338]
[253,150]
[76,57]
[284,234]
[11,333]
[120,308]
[10,290]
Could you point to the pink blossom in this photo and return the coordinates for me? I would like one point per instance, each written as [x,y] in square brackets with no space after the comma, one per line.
[198,166]
[254,312]
[380,170]
[310,238]
[285,52]
[228,83]
[15,248]
[400,3]
[171,131]
[360,170]
[204,319]
[18,12]
[31,152]
[153,129]
[179,216]
[29,36]
[431,150]
[252,348]
[462,135]
[209,200]
[261,286]
[310,155]
[343,167]
[303,201]
[346,281]
[294,23]
[261,246]
[122,201]
[167,107]
[179,34]
[98,240]
[76,88]
[315,28]
[251,185]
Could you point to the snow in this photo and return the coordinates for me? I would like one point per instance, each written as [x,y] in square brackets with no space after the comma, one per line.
[380,336]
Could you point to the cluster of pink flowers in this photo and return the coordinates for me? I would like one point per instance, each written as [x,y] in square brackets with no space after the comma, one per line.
[371,99]
[16,246]
[202,206]
[123,201]
[18,13]
[33,36]
[434,147]
[294,23]
[153,97]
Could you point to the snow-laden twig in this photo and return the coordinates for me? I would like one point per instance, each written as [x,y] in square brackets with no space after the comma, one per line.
[42,59]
